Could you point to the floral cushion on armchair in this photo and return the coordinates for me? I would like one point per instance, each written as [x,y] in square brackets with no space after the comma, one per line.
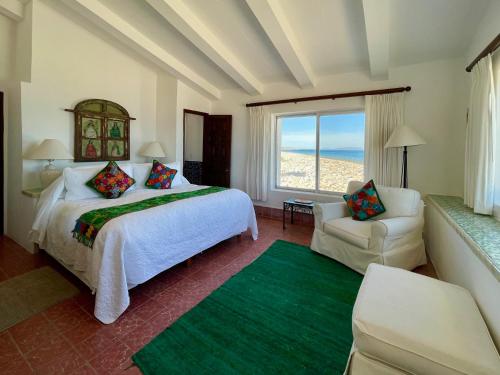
[364,203]
[111,181]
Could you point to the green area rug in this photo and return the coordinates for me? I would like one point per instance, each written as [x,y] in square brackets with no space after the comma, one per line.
[288,312]
[30,293]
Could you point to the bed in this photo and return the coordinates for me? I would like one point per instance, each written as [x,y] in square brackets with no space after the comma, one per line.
[133,248]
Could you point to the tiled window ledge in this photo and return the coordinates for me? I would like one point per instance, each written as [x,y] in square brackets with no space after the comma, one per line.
[481,232]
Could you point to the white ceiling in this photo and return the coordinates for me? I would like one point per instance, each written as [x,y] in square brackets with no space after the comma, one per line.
[427,30]
[325,36]
[144,18]
[233,23]
[331,34]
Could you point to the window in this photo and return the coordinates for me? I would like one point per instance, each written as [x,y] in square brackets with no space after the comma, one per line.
[320,152]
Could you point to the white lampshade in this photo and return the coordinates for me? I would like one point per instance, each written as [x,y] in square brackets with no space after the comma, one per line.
[153,150]
[49,149]
[404,136]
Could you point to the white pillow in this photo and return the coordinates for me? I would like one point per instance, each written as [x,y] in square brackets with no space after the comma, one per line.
[75,180]
[142,172]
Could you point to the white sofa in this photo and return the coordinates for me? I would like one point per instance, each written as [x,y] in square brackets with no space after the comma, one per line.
[405,323]
[393,238]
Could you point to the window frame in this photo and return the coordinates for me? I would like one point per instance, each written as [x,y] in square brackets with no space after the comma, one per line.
[277,149]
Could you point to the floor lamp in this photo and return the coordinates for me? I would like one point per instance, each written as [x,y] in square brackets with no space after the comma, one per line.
[404,136]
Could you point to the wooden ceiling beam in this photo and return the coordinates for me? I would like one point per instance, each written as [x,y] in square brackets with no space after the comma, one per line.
[106,19]
[14,9]
[377,20]
[178,14]
[275,24]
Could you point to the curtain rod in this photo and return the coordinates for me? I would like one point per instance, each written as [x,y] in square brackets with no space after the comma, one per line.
[332,96]
[490,48]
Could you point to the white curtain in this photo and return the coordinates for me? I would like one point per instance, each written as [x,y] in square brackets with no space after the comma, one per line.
[480,140]
[383,114]
[259,146]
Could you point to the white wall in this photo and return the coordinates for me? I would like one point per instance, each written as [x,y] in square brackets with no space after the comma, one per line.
[82,65]
[88,64]
[487,30]
[456,262]
[24,43]
[435,107]
[453,257]
[17,205]
[187,98]
[7,47]
[7,64]
[166,109]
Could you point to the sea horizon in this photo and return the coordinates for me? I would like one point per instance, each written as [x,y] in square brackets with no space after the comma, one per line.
[354,155]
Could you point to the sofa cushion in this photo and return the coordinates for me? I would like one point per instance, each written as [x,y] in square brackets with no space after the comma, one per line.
[111,182]
[421,325]
[357,233]
[364,203]
[75,180]
[142,172]
[161,176]
[397,201]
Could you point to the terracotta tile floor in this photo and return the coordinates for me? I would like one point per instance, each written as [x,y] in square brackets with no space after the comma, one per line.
[67,339]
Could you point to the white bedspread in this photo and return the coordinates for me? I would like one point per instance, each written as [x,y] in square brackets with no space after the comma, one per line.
[133,248]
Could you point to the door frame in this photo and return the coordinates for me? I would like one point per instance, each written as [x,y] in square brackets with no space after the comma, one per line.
[193,112]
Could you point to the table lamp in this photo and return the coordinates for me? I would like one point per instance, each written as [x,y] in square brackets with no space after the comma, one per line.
[50,150]
[404,136]
[153,150]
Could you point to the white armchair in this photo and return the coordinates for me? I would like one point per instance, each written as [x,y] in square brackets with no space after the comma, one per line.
[393,238]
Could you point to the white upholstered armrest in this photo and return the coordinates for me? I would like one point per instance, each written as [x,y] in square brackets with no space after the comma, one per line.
[328,211]
[397,226]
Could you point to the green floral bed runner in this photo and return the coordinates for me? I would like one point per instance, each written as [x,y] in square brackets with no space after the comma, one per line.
[90,223]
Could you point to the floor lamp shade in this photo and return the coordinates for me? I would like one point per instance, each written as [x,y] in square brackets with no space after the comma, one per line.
[404,136]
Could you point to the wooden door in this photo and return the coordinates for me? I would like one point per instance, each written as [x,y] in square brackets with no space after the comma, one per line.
[217,150]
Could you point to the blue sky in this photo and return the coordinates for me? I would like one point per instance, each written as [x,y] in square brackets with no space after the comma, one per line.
[336,131]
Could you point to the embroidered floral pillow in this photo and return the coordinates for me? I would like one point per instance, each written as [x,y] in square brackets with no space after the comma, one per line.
[364,203]
[161,176]
[111,181]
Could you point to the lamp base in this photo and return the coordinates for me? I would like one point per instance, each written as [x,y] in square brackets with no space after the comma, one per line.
[404,169]
[49,175]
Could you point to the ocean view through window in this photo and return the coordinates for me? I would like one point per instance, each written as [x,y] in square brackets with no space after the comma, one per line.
[320,152]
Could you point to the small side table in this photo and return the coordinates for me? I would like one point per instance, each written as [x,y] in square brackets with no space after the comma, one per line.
[33,192]
[293,206]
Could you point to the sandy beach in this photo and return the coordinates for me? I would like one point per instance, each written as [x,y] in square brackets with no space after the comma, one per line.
[298,170]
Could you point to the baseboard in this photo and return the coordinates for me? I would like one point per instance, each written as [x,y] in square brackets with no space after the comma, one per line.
[277,214]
